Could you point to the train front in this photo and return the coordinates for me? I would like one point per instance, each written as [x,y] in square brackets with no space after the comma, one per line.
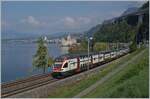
[56,69]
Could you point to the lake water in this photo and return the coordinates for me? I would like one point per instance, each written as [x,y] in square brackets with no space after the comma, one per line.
[16,59]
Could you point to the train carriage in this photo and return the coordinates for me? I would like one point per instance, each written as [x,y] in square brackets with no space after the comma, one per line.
[113,54]
[107,56]
[85,61]
[101,57]
[95,58]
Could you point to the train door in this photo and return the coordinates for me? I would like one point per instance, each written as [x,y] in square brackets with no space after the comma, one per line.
[65,67]
[101,57]
[78,65]
[73,64]
[91,61]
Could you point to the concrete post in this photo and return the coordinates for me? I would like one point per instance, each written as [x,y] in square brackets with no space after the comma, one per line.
[88,55]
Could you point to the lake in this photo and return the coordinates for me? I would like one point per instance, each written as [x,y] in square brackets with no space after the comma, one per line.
[16,59]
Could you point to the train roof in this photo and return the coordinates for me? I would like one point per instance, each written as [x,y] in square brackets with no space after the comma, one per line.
[69,56]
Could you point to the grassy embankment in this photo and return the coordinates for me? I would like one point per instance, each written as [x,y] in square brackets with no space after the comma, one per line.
[72,89]
[130,82]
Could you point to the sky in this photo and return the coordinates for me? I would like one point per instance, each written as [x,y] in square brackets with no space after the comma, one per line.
[49,17]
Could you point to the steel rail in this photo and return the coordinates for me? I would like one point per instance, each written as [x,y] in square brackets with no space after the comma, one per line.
[30,79]
[26,88]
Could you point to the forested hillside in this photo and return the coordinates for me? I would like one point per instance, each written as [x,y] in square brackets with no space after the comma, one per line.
[123,30]
[119,32]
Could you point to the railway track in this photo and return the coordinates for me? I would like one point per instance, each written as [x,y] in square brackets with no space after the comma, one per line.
[29,79]
[25,85]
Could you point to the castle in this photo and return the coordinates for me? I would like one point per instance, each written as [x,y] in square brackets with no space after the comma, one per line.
[68,41]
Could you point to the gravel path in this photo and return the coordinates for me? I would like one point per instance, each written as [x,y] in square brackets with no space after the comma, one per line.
[92,87]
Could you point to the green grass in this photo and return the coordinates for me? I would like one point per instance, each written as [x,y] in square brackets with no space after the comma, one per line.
[130,82]
[69,90]
[100,46]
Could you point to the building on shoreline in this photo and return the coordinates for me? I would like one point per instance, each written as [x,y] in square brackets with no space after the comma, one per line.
[69,41]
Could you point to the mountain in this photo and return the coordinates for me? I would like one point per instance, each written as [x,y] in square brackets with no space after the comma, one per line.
[96,28]
[21,35]
[145,5]
[64,34]
[93,30]
[59,34]
[18,35]
[130,10]
[124,28]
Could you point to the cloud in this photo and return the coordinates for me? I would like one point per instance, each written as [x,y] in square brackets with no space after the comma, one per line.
[84,20]
[69,21]
[5,25]
[75,22]
[32,21]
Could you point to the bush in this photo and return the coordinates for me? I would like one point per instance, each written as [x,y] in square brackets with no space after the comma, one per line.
[100,46]
[133,46]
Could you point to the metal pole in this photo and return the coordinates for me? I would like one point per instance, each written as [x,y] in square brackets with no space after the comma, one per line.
[88,54]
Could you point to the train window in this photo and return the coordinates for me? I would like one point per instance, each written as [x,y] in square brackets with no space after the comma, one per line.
[66,65]
[57,64]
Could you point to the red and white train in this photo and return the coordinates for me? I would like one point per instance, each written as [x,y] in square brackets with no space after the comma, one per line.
[66,65]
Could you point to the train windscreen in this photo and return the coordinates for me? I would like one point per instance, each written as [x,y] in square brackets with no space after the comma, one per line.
[57,64]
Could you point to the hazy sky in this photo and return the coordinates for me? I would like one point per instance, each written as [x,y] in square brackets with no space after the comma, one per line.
[51,17]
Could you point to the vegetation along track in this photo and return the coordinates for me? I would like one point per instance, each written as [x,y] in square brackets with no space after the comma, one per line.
[26,84]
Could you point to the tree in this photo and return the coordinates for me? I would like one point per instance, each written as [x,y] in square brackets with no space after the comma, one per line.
[100,46]
[40,59]
[84,43]
[50,61]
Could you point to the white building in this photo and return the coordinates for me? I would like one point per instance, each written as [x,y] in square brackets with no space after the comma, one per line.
[45,38]
[68,41]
